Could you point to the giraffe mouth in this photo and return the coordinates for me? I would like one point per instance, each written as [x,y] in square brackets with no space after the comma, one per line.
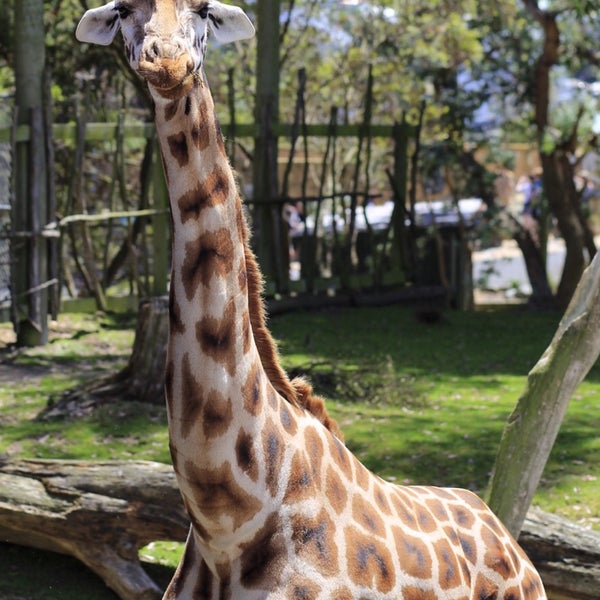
[168,76]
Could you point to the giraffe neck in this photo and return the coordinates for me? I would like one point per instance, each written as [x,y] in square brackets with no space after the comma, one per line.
[213,365]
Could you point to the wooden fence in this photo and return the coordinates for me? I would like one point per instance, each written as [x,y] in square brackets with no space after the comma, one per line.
[111,226]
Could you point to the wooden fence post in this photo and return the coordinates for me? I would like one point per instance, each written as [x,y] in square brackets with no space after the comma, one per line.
[29,216]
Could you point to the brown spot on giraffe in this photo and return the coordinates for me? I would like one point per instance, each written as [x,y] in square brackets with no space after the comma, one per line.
[273,448]
[314,542]
[263,559]
[416,593]
[251,392]
[449,571]
[302,588]
[213,191]
[175,321]
[340,456]
[217,415]
[363,478]
[484,589]
[495,557]
[469,547]
[217,338]
[200,130]
[217,494]
[314,448]
[335,491]
[300,485]
[192,397]
[288,420]
[210,255]
[404,509]
[363,513]
[369,561]
[381,500]
[171,110]
[246,457]
[414,554]
[178,147]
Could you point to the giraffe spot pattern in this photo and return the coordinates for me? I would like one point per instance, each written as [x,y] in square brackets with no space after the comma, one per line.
[403,509]
[210,255]
[364,514]
[175,321]
[369,561]
[212,191]
[191,397]
[217,338]
[414,554]
[288,421]
[251,392]
[302,588]
[200,129]
[263,558]
[469,547]
[449,571]
[484,589]
[340,457]
[273,448]
[299,485]
[178,147]
[244,451]
[382,502]
[314,448]
[416,593]
[335,490]
[217,493]
[314,542]
[217,415]
[171,110]
[494,556]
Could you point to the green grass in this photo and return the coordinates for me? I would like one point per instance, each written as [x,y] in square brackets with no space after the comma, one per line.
[418,403]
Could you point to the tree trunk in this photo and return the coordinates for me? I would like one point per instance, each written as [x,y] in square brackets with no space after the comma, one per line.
[532,427]
[267,214]
[143,378]
[541,294]
[30,207]
[557,170]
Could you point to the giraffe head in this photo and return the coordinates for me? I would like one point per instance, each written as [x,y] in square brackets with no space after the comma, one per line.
[165,40]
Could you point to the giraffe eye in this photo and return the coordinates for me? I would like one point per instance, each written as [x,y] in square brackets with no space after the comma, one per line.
[123,10]
[203,11]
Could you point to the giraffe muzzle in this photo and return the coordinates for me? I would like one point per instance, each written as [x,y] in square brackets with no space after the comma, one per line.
[163,67]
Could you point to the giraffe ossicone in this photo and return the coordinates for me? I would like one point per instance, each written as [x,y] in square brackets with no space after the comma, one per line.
[279,507]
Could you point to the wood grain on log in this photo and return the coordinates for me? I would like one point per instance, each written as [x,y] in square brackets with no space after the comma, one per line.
[101,513]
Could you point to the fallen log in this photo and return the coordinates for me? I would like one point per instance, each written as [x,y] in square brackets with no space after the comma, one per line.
[104,512]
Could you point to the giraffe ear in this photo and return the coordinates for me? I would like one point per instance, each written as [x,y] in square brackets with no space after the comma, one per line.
[99,25]
[228,23]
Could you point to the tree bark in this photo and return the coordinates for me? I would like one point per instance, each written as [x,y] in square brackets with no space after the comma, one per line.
[143,378]
[557,170]
[100,513]
[532,427]
[30,207]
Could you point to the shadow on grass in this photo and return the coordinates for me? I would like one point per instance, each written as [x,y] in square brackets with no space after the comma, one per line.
[31,574]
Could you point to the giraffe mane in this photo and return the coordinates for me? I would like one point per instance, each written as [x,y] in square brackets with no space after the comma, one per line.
[297,391]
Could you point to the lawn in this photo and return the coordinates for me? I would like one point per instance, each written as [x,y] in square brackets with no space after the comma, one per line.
[418,403]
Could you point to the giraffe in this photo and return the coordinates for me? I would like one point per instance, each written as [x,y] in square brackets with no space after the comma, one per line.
[279,507]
